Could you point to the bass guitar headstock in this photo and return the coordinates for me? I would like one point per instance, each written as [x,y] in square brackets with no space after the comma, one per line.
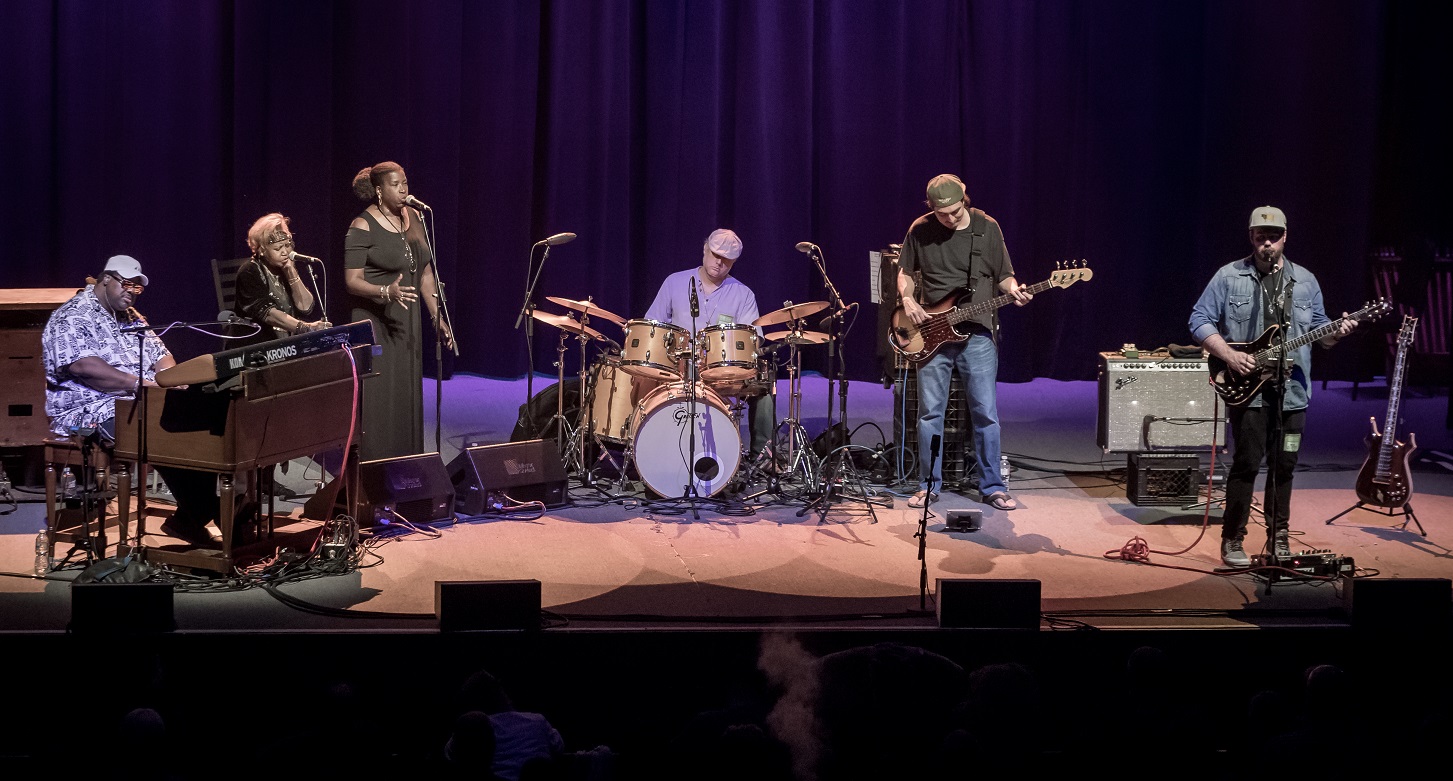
[1068,272]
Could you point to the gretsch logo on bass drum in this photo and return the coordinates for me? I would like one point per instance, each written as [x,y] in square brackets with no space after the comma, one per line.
[681,415]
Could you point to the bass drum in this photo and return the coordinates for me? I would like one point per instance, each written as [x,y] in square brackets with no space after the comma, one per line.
[664,457]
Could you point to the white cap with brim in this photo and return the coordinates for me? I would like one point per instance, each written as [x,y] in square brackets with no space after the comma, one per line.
[724,243]
[127,267]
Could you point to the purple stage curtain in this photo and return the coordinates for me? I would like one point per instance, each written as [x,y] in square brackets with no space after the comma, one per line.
[1136,134]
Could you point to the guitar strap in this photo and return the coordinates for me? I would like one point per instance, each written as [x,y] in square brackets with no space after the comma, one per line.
[977,221]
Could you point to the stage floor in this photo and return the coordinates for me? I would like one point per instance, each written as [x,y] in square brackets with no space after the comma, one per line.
[604,564]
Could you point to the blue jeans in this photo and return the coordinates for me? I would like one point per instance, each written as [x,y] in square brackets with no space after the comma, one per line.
[977,361]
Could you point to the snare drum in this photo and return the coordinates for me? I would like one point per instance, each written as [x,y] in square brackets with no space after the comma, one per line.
[662,440]
[728,352]
[653,349]
[612,396]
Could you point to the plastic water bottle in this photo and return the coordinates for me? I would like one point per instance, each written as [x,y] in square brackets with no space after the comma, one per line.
[42,553]
[1004,469]
[68,484]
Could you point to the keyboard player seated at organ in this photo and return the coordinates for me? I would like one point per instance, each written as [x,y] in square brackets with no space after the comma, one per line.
[90,362]
[270,291]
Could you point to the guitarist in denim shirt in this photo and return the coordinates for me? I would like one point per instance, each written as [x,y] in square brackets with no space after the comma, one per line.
[1242,300]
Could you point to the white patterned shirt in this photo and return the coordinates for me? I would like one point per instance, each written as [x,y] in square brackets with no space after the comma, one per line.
[83,327]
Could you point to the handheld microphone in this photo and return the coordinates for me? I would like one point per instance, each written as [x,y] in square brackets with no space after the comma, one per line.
[416,203]
[806,246]
[695,307]
[295,257]
[557,239]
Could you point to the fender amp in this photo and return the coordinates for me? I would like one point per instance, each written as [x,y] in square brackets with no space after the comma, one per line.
[488,476]
[1155,403]
[407,488]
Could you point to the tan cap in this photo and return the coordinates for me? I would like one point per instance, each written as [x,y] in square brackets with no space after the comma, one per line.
[1268,217]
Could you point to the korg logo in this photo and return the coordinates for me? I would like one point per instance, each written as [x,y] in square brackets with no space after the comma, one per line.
[514,467]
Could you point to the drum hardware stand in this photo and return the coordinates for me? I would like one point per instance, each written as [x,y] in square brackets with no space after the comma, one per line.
[562,426]
[799,449]
[588,477]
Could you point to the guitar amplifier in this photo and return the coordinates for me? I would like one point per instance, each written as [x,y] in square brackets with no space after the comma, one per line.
[1154,402]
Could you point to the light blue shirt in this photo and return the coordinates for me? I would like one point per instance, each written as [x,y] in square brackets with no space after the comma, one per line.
[733,302]
[1229,306]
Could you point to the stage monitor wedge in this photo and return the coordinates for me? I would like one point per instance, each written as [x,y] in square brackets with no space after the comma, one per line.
[487,476]
[406,488]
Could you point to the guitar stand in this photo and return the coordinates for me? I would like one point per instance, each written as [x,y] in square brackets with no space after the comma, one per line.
[1391,512]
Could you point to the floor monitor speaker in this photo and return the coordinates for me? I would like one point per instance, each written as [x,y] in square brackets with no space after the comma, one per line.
[406,488]
[489,477]
[988,603]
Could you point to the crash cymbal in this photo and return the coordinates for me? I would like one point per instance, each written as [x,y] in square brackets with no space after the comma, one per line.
[588,308]
[798,337]
[566,323]
[790,312]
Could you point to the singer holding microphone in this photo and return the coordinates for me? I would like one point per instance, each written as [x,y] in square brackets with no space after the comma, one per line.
[718,299]
[388,270]
[270,291]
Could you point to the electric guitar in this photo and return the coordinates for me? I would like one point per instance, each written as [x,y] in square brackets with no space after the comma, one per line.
[1384,480]
[919,341]
[1237,389]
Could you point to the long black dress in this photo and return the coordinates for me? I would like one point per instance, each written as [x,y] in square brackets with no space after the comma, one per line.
[393,402]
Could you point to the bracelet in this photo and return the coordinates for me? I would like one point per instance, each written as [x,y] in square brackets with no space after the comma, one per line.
[293,280]
[383,293]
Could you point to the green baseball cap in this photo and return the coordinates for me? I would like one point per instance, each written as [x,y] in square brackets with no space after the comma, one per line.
[945,190]
[1268,217]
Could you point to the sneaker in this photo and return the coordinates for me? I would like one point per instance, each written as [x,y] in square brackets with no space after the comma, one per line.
[1280,548]
[920,499]
[1233,555]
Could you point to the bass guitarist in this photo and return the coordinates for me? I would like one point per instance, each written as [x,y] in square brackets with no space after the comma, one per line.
[1242,300]
[958,251]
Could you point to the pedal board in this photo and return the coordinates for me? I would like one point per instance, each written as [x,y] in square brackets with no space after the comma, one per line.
[1308,563]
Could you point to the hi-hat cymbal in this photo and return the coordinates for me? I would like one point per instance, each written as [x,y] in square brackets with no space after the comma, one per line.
[589,308]
[566,323]
[798,337]
[790,312]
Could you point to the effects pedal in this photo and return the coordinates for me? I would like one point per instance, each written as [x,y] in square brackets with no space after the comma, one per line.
[1308,563]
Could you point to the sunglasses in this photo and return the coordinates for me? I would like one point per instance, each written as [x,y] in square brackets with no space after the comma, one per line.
[134,288]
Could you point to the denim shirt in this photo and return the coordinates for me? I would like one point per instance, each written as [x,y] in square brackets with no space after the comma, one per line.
[1229,306]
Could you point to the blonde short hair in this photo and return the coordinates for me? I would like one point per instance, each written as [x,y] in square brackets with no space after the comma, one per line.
[264,229]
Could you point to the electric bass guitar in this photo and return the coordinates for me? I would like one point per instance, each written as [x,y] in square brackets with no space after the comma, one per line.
[1384,480]
[1237,389]
[919,341]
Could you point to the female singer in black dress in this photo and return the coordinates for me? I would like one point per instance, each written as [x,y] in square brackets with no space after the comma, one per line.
[388,271]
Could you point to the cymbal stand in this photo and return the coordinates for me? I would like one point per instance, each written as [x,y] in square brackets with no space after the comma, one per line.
[564,432]
[800,458]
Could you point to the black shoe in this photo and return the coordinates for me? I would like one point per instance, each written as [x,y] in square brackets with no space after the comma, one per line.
[196,537]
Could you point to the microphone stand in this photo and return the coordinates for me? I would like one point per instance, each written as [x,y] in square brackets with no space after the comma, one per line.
[922,533]
[1278,421]
[441,319]
[840,465]
[525,316]
[690,495]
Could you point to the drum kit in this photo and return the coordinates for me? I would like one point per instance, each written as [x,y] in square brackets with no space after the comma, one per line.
[638,395]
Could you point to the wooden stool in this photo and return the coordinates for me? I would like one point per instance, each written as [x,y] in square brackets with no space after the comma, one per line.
[66,524]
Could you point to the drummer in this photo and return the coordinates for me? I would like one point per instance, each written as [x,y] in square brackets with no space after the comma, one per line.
[721,300]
